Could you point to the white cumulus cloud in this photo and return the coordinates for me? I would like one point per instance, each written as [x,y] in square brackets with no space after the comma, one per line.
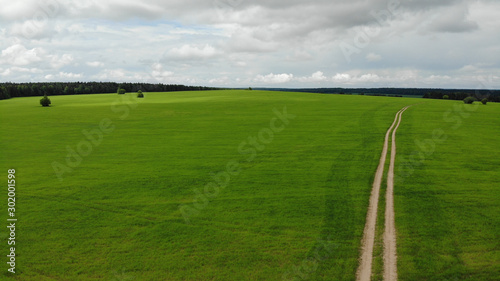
[18,55]
[60,61]
[317,76]
[274,78]
[189,52]
[95,64]
[341,77]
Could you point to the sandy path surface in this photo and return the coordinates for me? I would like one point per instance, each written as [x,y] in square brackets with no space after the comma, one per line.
[390,255]
[365,264]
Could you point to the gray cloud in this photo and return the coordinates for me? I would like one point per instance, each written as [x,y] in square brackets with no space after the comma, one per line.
[454,19]
[242,42]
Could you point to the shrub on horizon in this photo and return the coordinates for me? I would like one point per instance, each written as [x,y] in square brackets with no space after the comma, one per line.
[469,100]
[45,101]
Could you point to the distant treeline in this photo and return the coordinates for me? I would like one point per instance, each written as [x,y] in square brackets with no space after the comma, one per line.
[491,95]
[11,90]
[454,94]
[396,92]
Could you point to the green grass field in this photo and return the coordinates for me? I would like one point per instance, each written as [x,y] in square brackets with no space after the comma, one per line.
[448,199]
[295,206]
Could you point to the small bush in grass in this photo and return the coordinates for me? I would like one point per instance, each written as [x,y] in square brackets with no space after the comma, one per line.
[469,100]
[121,91]
[140,94]
[45,101]
[446,97]
[484,101]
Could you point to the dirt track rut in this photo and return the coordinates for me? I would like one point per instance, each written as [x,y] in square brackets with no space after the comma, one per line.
[366,257]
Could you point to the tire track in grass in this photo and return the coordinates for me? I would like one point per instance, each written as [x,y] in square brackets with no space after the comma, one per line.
[340,203]
[365,264]
[390,255]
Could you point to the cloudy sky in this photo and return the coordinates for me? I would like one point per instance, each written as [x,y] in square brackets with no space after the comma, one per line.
[241,43]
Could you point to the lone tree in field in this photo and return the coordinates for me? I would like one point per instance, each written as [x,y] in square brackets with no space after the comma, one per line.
[45,101]
[469,100]
[484,101]
[121,91]
[446,97]
[140,94]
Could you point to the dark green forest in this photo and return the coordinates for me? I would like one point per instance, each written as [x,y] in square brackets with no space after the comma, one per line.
[11,90]
[453,94]
[491,95]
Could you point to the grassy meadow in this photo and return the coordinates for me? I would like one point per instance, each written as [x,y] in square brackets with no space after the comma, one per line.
[448,197]
[294,207]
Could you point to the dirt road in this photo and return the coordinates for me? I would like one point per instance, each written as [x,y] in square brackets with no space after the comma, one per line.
[365,264]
